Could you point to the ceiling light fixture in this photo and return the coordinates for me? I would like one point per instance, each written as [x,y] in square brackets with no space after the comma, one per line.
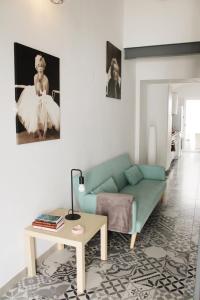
[57,1]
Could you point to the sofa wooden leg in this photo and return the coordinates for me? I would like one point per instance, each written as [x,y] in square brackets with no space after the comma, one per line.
[133,238]
[162,198]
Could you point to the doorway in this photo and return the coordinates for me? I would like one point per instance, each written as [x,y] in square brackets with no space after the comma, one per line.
[192,126]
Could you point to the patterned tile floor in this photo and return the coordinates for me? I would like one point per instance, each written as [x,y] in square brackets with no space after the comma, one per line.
[161,266]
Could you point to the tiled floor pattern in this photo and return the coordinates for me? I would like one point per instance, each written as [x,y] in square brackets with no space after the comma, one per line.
[161,266]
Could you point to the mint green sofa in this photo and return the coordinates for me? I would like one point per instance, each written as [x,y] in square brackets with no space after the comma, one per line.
[147,192]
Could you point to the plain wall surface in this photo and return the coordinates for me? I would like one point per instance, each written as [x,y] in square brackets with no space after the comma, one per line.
[156,22]
[156,114]
[36,177]
[156,105]
[187,90]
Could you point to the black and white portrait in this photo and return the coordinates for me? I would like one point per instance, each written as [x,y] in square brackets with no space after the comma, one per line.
[113,72]
[37,95]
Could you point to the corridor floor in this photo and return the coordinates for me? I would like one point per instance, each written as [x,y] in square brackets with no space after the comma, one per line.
[161,266]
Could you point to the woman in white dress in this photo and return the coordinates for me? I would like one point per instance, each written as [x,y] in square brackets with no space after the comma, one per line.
[36,109]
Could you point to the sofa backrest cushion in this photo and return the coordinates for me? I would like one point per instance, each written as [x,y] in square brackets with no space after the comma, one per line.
[114,167]
[133,175]
[109,186]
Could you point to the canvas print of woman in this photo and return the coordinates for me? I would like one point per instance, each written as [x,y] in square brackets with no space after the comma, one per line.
[113,71]
[37,101]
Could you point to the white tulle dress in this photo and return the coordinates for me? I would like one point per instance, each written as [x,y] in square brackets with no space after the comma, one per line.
[37,112]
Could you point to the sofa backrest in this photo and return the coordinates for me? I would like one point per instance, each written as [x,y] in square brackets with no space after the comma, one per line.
[114,167]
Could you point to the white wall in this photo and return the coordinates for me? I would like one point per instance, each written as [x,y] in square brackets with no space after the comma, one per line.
[156,115]
[155,22]
[187,90]
[36,177]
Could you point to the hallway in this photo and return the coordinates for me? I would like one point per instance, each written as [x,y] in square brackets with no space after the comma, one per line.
[182,206]
[162,265]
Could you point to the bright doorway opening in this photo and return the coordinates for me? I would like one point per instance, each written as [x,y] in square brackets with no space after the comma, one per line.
[192,126]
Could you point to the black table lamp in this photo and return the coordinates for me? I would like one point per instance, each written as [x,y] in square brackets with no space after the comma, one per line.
[72,216]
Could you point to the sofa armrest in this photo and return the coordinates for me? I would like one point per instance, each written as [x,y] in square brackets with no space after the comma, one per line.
[152,172]
[88,203]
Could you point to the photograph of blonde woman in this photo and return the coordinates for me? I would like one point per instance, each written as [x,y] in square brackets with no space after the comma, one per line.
[113,72]
[37,95]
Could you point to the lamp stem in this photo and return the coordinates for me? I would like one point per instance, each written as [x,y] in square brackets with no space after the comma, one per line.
[72,194]
[73,216]
[72,200]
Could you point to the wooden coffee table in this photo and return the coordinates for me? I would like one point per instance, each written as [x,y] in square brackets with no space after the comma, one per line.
[92,224]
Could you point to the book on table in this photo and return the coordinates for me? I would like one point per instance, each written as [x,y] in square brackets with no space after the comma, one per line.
[49,218]
[48,222]
[48,228]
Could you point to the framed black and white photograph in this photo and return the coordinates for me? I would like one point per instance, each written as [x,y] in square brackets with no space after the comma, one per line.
[37,95]
[113,71]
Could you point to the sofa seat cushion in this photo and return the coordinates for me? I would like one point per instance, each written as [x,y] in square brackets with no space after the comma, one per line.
[146,193]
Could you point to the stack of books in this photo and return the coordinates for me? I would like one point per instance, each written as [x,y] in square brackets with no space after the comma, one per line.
[48,222]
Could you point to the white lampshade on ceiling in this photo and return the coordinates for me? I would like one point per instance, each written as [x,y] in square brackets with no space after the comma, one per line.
[57,1]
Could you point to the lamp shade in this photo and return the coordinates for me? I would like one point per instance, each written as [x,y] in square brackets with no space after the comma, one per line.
[81,179]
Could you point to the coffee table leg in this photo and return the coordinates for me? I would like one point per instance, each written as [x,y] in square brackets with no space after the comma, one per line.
[30,253]
[80,265]
[104,242]
[60,246]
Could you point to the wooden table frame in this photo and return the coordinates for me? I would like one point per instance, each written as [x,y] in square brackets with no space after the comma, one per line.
[92,223]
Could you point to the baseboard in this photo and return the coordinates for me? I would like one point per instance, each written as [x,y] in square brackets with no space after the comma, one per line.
[13,281]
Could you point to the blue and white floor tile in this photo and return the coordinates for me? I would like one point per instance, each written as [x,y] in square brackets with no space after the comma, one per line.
[161,266]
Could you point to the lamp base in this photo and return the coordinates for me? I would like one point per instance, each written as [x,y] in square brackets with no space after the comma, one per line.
[72,217]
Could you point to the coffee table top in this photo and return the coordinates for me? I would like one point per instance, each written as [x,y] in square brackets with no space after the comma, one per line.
[92,224]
